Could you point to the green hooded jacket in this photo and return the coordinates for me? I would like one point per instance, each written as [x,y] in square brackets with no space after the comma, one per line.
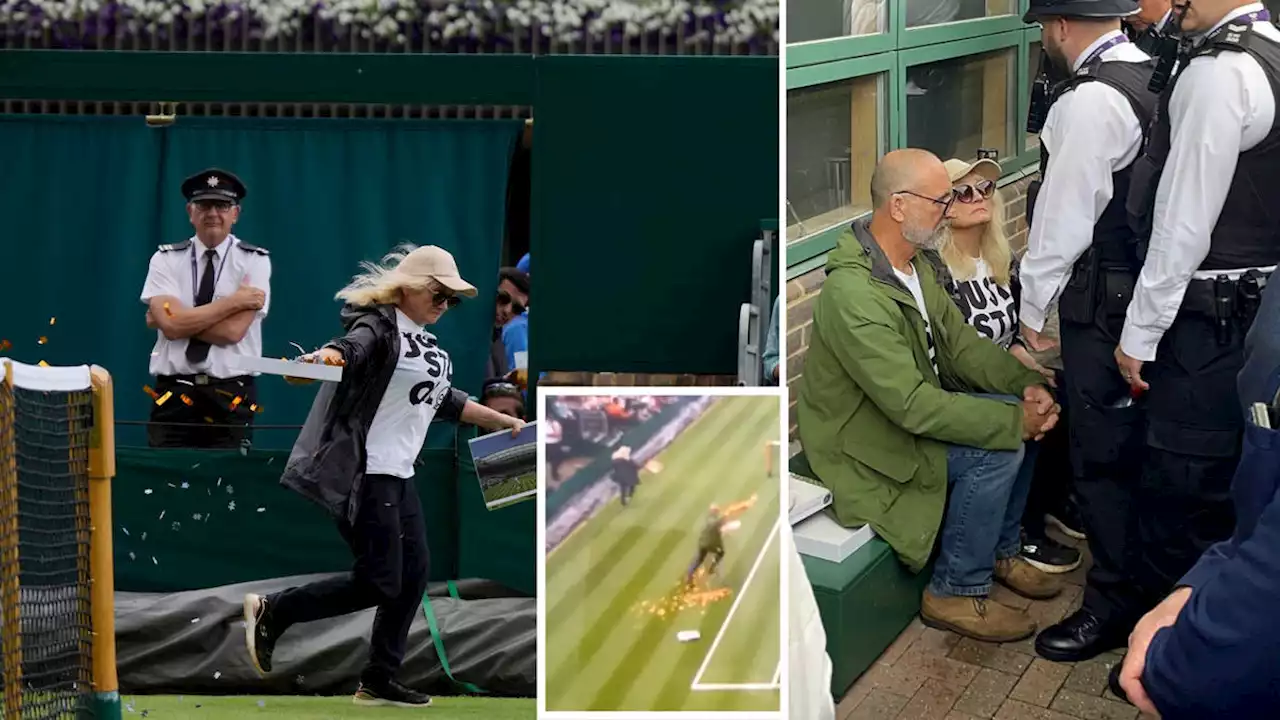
[875,419]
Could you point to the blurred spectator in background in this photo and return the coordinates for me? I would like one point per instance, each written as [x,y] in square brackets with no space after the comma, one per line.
[503,396]
[771,344]
[510,321]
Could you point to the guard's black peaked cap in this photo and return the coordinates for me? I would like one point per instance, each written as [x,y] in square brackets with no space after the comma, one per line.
[1080,9]
[214,184]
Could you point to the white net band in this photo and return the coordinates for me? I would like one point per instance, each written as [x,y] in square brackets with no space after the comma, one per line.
[48,379]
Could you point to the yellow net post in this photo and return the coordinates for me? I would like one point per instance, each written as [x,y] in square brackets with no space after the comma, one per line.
[10,589]
[102,468]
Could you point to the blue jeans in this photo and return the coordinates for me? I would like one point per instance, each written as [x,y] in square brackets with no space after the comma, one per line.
[983,522]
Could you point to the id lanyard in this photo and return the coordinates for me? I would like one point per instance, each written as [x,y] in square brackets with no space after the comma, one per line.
[1118,40]
[217,274]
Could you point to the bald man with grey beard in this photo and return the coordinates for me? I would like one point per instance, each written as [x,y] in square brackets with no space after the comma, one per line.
[888,416]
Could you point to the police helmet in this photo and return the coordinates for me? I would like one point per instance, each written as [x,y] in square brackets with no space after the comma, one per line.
[1080,9]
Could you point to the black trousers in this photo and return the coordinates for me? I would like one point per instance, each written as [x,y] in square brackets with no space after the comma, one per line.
[209,421]
[1194,436]
[389,541]
[1054,478]
[1106,453]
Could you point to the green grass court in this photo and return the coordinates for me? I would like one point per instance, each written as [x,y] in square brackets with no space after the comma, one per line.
[514,486]
[182,707]
[608,648]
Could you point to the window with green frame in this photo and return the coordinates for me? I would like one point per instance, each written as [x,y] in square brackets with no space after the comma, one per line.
[868,76]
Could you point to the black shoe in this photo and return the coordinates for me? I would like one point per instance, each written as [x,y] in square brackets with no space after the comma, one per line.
[389,692]
[1080,637]
[1067,519]
[1113,680]
[259,634]
[1049,555]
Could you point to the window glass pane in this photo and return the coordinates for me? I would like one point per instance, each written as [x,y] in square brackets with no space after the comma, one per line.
[956,106]
[834,138]
[824,19]
[936,12]
[1033,69]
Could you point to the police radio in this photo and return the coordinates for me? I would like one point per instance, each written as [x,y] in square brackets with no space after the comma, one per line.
[1038,111]
[1169,48]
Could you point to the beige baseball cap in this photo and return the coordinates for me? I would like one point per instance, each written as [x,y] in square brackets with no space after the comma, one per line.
[989,169]
[436,263]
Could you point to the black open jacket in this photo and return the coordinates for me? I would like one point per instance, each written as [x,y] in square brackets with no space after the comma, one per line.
[328,459]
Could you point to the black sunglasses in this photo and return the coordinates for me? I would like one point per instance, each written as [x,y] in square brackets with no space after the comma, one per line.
[441,298]
[980,190]
[504,298]
[945,201]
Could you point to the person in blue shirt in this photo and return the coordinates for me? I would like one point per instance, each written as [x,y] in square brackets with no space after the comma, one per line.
[1210,649]
[523,265]
[771,357]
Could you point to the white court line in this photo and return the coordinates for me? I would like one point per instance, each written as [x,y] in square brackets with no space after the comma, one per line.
[697,684]
[777,675]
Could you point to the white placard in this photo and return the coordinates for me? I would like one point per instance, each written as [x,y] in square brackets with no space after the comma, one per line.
[290,368]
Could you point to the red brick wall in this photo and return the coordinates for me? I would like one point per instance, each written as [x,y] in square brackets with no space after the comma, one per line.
[803,290]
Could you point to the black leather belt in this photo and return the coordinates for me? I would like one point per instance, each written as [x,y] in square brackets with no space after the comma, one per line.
[204,379]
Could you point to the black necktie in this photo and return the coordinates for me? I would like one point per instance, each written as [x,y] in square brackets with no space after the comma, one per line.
[197,349]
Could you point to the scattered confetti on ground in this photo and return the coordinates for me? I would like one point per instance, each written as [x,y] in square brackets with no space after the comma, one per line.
[43,340]
[685,597]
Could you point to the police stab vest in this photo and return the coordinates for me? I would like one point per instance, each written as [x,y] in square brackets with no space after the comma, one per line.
[1247,233]
[1112,237]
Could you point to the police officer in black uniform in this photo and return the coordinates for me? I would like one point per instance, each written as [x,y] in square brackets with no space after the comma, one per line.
[1208,192]
[1082,254]
[1147,28]
[206,297]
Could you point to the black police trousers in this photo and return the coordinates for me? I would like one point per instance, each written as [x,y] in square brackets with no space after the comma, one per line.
[1194,433]
[389,541]
[1106,452]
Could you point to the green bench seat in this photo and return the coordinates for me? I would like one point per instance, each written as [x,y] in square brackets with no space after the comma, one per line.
[865,602]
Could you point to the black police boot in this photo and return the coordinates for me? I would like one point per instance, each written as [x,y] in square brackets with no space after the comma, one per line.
[1081,636]
[1113,680]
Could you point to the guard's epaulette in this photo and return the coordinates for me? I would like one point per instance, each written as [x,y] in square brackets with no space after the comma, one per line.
[252,248]
[176,246]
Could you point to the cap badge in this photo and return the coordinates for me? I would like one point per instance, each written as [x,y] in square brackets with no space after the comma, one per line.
[213,181]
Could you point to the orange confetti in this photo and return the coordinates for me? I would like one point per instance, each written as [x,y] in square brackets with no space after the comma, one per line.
[167,311]
[147,389]
[224,392]
[255,408]
[43,364]
[42,340]
[235,403]
[208,419]
[164,398]
[5,345]
[186,400]
[52,320]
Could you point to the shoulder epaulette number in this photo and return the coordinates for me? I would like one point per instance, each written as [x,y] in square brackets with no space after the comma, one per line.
[176,246]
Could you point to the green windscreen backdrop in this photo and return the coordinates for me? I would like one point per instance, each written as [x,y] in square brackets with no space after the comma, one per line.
[90,198]
[651,176]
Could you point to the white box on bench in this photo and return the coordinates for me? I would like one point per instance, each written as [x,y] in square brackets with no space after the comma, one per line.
[822,537]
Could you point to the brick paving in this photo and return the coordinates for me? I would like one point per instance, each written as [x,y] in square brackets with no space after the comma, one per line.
[929,674]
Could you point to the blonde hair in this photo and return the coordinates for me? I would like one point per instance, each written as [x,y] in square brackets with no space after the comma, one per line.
[380,283]
[993,248]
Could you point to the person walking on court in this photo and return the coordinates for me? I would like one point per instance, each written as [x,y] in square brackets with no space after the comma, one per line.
[355,458]
[626,474]
[206,298]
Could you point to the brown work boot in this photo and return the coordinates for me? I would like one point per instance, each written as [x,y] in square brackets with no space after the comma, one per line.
[1021,577]
[980,618]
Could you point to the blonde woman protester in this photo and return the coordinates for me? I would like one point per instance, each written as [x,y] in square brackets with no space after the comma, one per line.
[983,282]
[355,458]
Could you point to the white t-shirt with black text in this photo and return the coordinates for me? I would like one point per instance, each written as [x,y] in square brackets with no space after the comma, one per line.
[912,282]
[418,386]
[988,306]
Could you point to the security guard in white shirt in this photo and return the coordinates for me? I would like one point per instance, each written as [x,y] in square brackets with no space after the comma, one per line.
[1209,189]
[206,297]
[1082,254]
